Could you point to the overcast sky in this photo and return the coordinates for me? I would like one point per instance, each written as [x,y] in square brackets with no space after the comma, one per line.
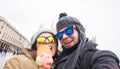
[101,18]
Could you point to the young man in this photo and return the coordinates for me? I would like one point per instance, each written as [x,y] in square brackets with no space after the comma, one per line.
[78,51]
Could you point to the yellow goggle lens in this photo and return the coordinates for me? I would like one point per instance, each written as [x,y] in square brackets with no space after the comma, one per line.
[51,39]
[41,40]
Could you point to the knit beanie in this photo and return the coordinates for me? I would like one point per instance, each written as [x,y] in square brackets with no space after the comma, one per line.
[36,35]
[68,21]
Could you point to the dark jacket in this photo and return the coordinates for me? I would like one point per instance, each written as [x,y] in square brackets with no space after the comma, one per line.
[88,58]
[84,55]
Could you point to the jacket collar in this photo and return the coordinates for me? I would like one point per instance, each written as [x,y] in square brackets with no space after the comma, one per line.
[29,53]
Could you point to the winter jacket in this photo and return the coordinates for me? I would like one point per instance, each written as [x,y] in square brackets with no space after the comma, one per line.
[22,61]
[88,58]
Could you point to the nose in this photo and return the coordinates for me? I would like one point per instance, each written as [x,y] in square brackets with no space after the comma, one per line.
[46,41]
[64,35]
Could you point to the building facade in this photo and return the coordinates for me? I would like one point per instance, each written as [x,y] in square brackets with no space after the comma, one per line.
[10,38]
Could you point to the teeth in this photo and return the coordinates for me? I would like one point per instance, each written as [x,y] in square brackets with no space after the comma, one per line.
[50,47]
[68,42]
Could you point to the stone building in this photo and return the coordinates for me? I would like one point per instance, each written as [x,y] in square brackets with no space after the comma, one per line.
[10,38]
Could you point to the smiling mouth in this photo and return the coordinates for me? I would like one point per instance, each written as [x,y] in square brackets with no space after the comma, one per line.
[68,42]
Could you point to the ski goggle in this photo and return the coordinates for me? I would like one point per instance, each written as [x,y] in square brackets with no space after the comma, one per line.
[43,39]
[68,31]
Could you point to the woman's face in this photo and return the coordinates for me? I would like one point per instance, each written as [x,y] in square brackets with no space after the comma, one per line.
[49,41]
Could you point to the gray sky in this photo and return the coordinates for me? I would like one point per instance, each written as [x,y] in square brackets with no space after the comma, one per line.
[101,18]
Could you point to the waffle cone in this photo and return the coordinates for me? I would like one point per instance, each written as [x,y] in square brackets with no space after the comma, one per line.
[43,49]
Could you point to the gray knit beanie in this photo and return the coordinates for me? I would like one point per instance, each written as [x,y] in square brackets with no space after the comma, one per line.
[68,21]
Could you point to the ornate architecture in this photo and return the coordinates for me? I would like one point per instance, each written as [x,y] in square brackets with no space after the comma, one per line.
[10,38]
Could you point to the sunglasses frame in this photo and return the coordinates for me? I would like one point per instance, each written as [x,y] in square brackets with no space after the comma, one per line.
[64,32]
[45,39]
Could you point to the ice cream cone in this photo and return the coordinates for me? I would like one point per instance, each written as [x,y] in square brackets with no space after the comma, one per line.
[41,51]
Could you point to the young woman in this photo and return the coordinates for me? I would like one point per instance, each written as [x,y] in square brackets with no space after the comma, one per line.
[27,59]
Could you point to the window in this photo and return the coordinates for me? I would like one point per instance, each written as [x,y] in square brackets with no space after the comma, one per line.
[1,27]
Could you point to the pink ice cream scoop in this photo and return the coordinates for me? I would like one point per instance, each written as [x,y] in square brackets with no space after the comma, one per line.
[44,57]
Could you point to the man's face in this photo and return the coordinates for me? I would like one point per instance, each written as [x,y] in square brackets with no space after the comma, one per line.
[68,39]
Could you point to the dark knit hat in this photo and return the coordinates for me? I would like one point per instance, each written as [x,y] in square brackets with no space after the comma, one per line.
[67,21]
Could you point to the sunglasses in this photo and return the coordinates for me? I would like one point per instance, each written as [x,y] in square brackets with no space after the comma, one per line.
[68,31]
[43,39]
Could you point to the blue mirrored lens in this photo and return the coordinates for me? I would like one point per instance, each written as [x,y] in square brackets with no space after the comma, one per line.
[69,31]
[59,35]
